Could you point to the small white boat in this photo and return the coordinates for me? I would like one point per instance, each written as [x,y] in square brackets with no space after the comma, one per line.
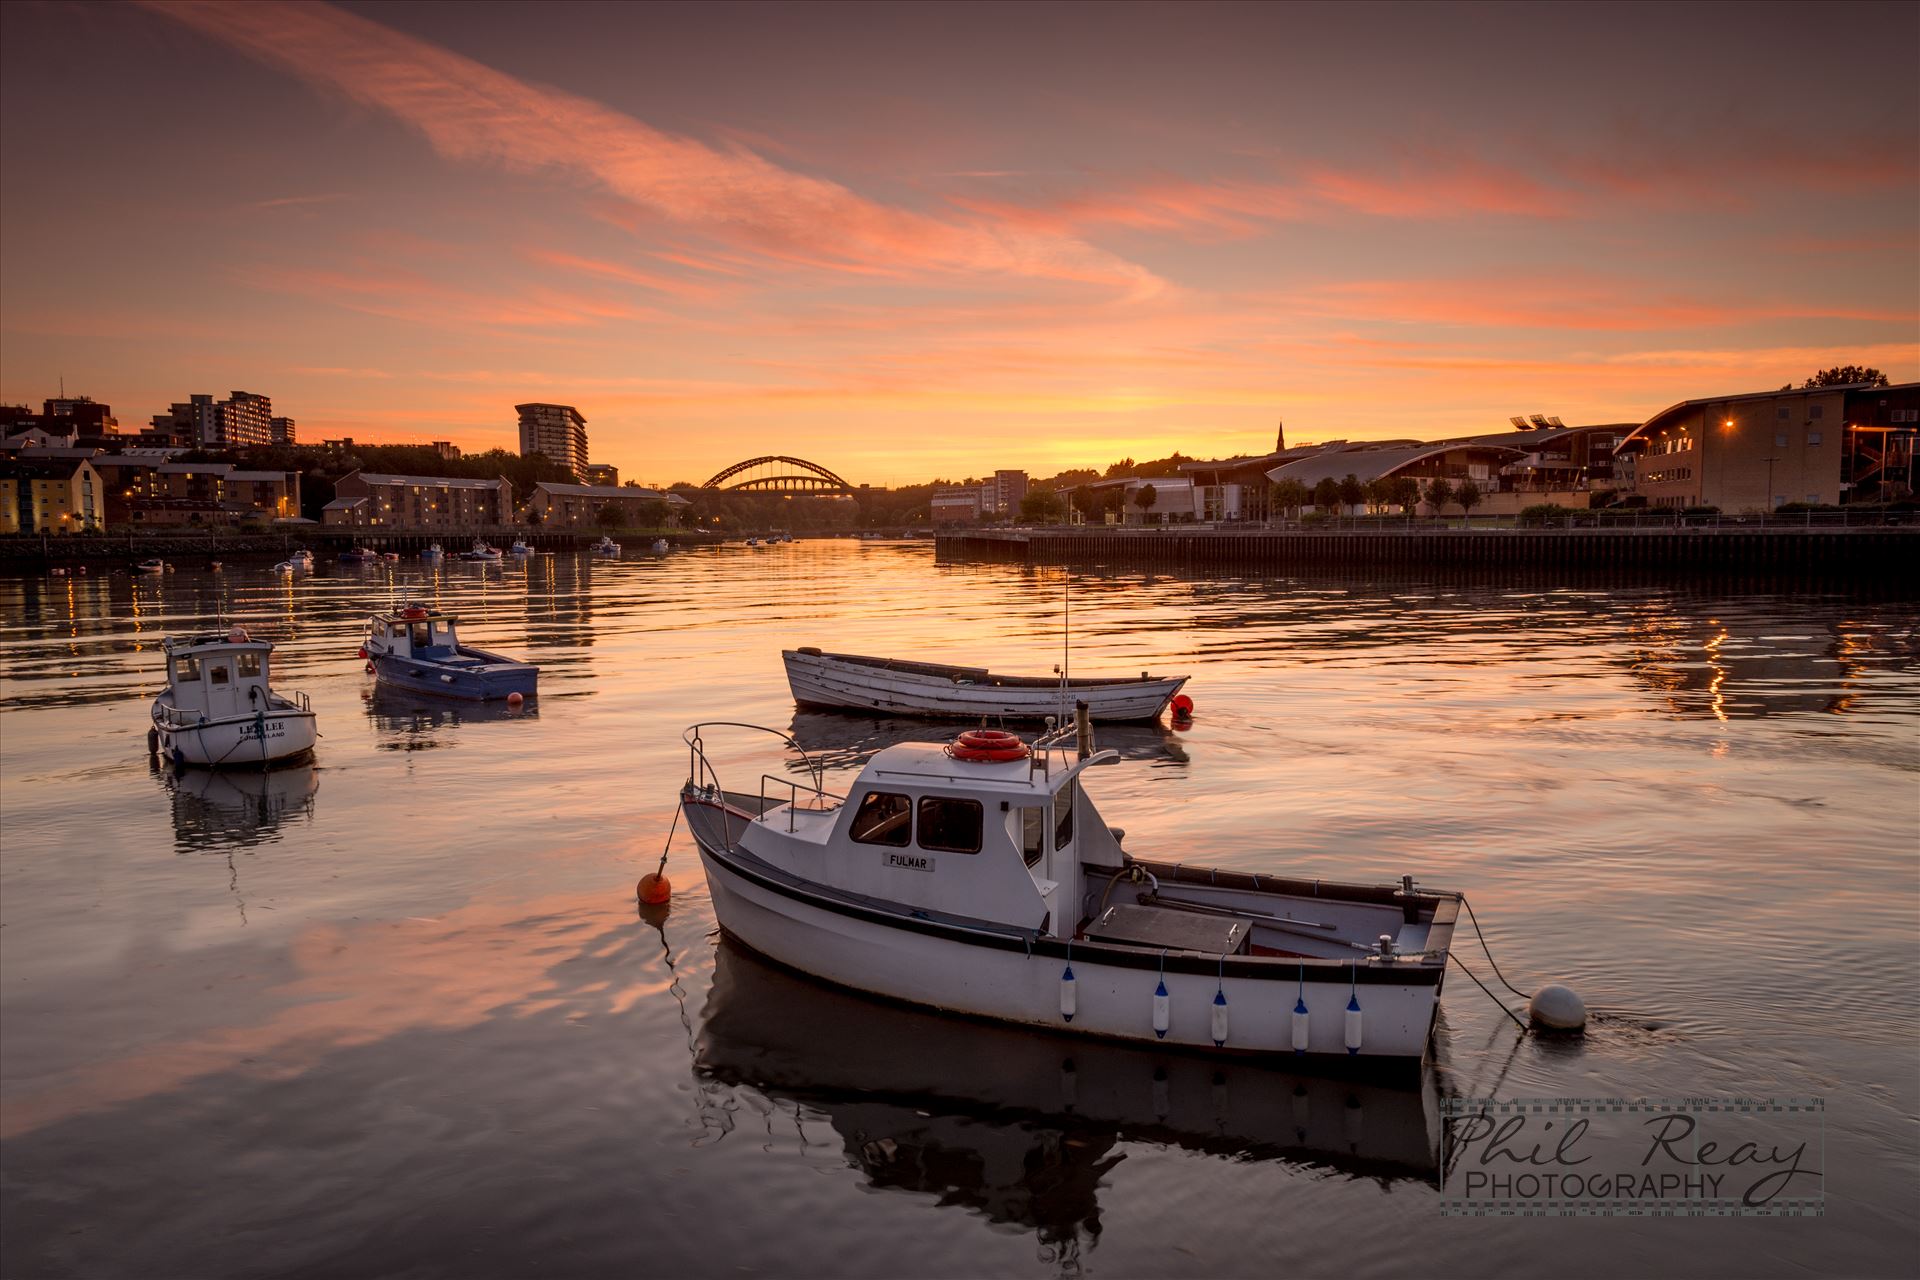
[218,708]
[151,566]
[661,546]
[753,542]
[520,548]
[482,551]
[605,547]
[433,554]
[980,879]
[304,556]
[292,566]
[390,556]
[849,681]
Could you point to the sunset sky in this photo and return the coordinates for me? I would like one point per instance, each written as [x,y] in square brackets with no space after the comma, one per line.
[923,241]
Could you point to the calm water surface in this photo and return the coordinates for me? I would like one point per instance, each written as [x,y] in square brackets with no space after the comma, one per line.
[395,1013]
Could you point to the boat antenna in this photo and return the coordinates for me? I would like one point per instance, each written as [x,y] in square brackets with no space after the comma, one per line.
[1066,637]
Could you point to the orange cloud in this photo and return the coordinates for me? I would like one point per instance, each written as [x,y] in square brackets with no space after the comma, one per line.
[472,113]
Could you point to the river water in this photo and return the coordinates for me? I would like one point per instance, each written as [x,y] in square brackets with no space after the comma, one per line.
[395,1013]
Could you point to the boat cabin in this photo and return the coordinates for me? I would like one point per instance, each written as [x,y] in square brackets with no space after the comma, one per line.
[214,677]
[414,632]
[992,840]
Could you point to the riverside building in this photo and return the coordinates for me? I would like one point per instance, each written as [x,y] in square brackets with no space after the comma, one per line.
[556,431]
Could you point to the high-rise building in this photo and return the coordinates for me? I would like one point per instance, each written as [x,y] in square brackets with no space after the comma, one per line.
[556,431]
[1009,487]
[283,431]
[89,416]
[241,419]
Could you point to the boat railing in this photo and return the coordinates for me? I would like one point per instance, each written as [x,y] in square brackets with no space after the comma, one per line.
[818,801]
[178,717]
[701,773]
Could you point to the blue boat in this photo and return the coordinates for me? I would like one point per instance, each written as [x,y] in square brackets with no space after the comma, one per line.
[417,649]
[358,555]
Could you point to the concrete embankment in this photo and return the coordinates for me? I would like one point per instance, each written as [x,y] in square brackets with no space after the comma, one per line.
[29,551]
[1836,553]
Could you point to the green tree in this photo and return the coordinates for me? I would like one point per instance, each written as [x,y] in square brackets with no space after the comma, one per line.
[609,517]
[1144,498]
[1406,492]
[1467,495]
[1290,495]
[1083,500]
[1326,494]
[1352,492]
[1439,494]
[1040,506]
[1379,493]
[1842,375]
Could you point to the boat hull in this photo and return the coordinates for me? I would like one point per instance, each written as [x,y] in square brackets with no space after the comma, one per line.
[237,742]
[821,680]
[1002,975]
[485,683]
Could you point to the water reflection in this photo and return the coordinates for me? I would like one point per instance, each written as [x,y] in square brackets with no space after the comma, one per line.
[1022,1127]
[405,722]
[221,809]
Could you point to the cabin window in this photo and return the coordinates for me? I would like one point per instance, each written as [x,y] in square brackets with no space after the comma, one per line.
[949,825]
[246,664]
[883,818]
[419,635]
[186,668]
[217,674]
[442,633]
[1033,835]
[1063,816]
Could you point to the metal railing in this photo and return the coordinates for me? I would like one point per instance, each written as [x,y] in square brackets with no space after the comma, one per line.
[1604,518]
[819,802]
[703,777]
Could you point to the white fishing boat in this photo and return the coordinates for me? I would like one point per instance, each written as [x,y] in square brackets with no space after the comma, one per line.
[218,708]
[605,547]
[434,554]
[660,546]
[151,566]
[483,552]
[979,878]
[520,548]
[892,686]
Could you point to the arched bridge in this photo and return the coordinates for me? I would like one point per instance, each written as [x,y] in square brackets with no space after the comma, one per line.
[779,474]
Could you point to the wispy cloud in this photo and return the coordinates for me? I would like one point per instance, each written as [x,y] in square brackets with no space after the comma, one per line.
[282,202]
[473,113]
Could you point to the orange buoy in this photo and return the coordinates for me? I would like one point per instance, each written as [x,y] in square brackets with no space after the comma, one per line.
[515,698]
[1182,705]
[653,889]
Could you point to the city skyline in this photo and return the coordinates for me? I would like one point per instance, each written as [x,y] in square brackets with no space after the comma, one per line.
[941,240]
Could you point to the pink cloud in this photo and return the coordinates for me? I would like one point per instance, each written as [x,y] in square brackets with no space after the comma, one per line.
[472,113]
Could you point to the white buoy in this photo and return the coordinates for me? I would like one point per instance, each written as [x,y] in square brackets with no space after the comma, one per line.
[1353,1023]
[1069,998]
[1300,1021]
[1162,1011]
[1556,1008]
[1219,1019]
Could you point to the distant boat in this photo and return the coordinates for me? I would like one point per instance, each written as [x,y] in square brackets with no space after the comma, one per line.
[520,548]
[605,547]
[753,542]
[661,546]
[481,551]
[433,553]
[218,709]
[418,650]
[290,566]
[390,555]
[304,556]
[358,555]
[845,681]
[151,566]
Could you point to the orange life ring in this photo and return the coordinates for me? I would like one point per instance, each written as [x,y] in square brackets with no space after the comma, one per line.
[988,745]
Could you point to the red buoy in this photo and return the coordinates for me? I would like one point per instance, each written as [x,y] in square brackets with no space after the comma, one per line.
[653,889]
[1182,705]
[515,698]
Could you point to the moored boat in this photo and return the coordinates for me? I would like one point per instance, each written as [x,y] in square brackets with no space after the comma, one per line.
[418,649]
[605,547]
[155,565]
[219,709]
[358,555]
[981,879]
[660,546]
[482,551]
[433,554]
[892,686]
[520,547]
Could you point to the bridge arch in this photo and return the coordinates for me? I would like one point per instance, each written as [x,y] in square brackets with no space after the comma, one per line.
[778,473]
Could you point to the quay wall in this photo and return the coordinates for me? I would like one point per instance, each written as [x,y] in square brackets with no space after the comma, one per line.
[25,551]
[1815,553]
